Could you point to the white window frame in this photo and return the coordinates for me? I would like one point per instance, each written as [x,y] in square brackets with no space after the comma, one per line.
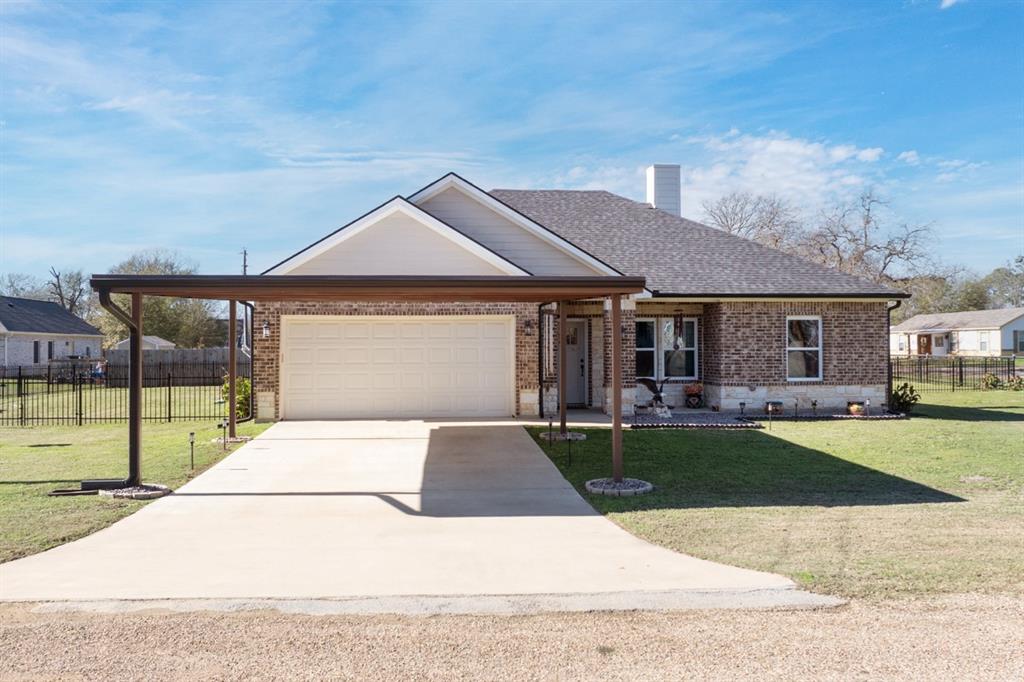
[654,348]
[901,341]
[659,349]
[939,341]
[983,340]
[820,348]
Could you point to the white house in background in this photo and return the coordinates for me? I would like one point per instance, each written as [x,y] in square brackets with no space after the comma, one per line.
[968,333]
[36,332]
[148,343]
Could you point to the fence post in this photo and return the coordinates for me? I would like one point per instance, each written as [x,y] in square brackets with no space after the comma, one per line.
[960,370]
[21,399]
[168,396]
[78,383]
[49,378]
[21,383]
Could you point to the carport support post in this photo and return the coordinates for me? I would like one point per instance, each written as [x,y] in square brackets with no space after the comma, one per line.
[561,368]
[135,394]
[232,366]
[616,301]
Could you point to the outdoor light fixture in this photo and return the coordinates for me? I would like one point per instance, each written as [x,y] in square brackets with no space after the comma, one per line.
[266,329]
[814,407]
[743,406]
[867,406]
[192,448]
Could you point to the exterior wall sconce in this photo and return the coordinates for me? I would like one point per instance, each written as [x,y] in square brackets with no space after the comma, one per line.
[266,329]
[529,327]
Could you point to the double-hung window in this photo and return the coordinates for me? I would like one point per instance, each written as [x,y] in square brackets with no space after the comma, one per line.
[982,340]
[666,348]
[803,348]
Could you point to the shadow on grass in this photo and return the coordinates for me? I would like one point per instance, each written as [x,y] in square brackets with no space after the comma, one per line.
[706,469]
[995,413]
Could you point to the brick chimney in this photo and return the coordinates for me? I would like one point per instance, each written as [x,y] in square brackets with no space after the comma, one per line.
[663,185]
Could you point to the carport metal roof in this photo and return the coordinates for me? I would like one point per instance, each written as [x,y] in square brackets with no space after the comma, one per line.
[503,288]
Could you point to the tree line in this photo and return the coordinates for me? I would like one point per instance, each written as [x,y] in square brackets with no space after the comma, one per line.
[190,323]
[863,238]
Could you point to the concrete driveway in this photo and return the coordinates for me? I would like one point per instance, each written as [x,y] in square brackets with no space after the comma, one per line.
[387,509]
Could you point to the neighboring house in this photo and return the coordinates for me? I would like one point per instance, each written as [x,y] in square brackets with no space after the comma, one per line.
[148,343]
[36,332]
[968,333]
[749,322]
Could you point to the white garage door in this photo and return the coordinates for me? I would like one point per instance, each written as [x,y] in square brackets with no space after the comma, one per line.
[374,367]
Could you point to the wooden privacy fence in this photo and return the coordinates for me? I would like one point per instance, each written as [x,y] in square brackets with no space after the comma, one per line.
[929,373]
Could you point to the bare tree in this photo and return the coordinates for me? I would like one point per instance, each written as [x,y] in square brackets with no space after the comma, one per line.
[70,290]
[769,220]
[21,285]
[854,239]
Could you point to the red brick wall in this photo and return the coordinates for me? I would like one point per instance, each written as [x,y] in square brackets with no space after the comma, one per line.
[266,372]
[745,342]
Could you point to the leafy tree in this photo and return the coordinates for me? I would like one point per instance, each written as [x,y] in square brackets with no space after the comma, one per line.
[1006,284]
[190,323]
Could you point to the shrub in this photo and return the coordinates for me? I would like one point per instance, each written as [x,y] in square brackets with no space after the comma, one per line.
[990,381]
[1016,383]
[243,389]
[903,398]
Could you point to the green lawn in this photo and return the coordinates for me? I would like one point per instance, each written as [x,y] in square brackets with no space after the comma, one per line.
[36,460]
[933,504]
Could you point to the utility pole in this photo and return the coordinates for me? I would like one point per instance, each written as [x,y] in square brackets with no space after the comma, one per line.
[245,261]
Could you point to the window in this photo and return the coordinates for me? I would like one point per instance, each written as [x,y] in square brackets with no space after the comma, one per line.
[49,350]
[665,351]
[35,352]
[982,340]
[940,341]
[803,348]
[1020,341]
[679,349]
[646,353]
[88,352]
[953,341]
[902,343]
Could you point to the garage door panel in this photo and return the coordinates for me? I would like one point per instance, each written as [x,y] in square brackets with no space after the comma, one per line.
[398,367]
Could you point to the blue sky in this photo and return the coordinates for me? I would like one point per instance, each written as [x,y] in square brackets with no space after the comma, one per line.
[209,127]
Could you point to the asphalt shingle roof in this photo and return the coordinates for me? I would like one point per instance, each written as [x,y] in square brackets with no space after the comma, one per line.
[968,319]
[676,255]
[43,317]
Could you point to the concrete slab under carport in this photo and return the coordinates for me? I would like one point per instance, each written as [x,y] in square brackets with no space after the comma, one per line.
[382,516]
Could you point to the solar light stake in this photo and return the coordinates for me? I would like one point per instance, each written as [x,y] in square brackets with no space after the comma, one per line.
[796,408]
[814,407]
[551,435]
[742,407]
[192,448]
[867,407]
[224,434]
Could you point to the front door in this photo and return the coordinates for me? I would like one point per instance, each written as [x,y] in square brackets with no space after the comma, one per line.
[576,363]
[924,344]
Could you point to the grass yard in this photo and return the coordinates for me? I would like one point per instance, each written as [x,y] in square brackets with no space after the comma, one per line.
[930,505]
[36,460]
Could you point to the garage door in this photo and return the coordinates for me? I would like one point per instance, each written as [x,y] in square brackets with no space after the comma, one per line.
[375,367]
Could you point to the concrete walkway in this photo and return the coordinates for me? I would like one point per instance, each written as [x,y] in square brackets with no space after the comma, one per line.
[401,511]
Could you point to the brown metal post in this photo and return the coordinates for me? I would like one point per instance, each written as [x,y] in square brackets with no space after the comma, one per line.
[561,368]
[135,394]
[616,387]
[232,367]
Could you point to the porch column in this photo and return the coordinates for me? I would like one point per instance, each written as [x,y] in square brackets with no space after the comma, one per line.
[561,368]
[232,366]
[616,305]
[135,394]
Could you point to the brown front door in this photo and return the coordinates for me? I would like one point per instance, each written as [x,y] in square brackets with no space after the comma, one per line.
[924,344]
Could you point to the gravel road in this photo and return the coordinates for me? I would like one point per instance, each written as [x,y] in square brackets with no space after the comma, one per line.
[958,637]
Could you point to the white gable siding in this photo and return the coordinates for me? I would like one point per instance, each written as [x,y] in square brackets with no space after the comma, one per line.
[502,235]
[397,245]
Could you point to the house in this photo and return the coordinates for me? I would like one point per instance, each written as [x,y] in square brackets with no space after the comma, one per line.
[750,323]
[36,332]
[148,343]
[967,333]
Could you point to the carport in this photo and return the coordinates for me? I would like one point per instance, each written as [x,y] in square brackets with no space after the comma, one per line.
[365,288]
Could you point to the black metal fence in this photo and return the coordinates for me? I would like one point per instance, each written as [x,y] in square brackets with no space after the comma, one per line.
[92,393]
[929,373]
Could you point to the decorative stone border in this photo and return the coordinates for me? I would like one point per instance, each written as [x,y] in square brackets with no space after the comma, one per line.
[625,488]
[146,491]
[236,439]
[829,417]
[555,436]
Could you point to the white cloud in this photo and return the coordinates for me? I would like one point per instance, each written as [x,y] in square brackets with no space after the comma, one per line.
[946,4]
[910,157]
[871,154]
